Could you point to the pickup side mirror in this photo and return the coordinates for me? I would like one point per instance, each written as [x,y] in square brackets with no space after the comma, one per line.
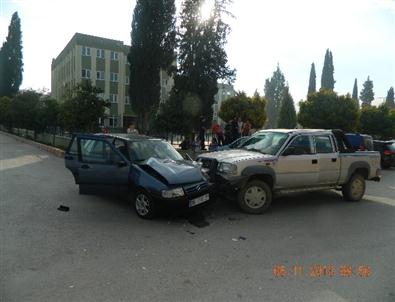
[289,151]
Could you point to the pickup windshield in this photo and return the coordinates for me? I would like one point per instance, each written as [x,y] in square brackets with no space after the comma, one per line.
[266,142]
[144,149]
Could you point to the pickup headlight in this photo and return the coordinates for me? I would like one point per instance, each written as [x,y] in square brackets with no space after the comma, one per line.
[227,168]
[178,192]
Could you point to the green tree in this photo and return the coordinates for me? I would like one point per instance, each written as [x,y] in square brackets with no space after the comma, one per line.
[6,111]
[389,100]
[247,108]
[274,92]
[378,121]
[367,94]
[11,64]
[81,112]
[48,113]
[287,117]
[202,59]
[312,80]
[25,110]
[327,80]
[327,110]
[355,92]
[153,47]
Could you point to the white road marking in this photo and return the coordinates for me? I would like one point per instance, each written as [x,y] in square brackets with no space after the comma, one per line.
[389,201]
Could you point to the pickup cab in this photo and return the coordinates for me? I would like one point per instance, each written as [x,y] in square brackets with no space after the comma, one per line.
[290,160]
[147,170]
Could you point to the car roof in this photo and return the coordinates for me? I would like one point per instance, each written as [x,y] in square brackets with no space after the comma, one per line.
[296,131]
[124,136]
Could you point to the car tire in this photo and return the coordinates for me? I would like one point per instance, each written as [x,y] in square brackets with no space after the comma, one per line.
[355,188]
[255,197]
[143,204]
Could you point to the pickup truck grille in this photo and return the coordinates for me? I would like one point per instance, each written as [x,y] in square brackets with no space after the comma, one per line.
[209,166]
[196,188]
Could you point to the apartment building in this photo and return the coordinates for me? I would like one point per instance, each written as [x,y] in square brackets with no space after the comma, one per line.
[225,91]
[104,62]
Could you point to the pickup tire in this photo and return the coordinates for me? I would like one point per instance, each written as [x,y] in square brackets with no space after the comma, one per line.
[143,204]
[354,189]
[255,197]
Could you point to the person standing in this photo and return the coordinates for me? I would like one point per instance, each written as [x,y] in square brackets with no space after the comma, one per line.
[218,133]
[246,128]
[240,126]
[235,133]
[202,132]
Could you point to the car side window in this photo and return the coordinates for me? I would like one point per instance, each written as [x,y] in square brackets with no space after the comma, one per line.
[323,144]
[73,150]
[97,151]
[302,145]
[122,148]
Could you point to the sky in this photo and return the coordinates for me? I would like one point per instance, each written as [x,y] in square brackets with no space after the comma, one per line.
[293,34]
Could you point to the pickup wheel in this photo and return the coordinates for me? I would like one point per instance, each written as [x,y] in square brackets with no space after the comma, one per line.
[143,204]
[354,189]
[255,197]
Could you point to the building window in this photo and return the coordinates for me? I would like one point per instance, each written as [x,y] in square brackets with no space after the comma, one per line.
[100,53]
[86,51]
[86,73]
[113,77]
[113,98]
[127,100]
[114,56]
[126,80]
[100,75]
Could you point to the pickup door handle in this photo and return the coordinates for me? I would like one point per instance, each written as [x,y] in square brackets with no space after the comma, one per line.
[334,160]
[85,167]
[314,161]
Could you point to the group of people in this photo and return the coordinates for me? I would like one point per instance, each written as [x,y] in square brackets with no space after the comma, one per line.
[234,129]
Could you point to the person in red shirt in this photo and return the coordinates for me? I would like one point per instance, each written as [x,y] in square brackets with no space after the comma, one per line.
[246,128]
[218,133]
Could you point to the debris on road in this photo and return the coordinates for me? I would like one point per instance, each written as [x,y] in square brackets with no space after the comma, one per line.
[63,208]
[239,238]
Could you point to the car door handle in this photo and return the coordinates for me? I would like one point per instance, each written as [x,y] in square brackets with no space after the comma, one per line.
[334,160]
[314,161]
[85,167]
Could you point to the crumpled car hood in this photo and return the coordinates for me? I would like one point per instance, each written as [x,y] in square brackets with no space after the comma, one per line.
[175,172]
[232,156]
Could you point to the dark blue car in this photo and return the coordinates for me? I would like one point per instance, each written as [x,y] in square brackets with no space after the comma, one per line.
[147,170]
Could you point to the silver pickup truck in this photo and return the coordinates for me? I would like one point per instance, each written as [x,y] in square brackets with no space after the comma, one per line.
[279,161]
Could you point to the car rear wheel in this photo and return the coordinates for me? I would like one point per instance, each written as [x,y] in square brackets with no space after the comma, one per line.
[255,197]
[143,204]
[354,189]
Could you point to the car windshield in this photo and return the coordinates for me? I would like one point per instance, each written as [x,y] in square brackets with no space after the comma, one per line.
[238,142]
[144,149]
[266,142]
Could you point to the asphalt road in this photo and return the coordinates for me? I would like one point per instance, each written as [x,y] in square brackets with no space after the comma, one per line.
[101,251]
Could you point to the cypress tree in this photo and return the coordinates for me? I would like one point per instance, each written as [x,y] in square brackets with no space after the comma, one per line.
[287,116]
[327,80]
[202,57]
[312,88]
[367,94]
[355,92]
[152,48]
[389,100]
[11,64]
[274,93]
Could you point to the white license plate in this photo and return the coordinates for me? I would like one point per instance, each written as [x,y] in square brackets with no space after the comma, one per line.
[199,200]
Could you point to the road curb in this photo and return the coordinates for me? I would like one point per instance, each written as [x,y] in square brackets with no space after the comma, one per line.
[53,150]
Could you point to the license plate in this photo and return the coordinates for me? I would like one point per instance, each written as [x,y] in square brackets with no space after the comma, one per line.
[199,200]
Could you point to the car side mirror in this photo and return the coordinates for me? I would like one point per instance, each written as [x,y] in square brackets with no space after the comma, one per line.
[289,151]
[121,163]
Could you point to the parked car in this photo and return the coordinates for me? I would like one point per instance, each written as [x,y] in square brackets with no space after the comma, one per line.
[147,170]
[387,152]
[360,142]
[290,160]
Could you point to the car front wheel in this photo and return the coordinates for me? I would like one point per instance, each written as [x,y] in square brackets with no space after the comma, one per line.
[354,189]
[143,204]
[255,197]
